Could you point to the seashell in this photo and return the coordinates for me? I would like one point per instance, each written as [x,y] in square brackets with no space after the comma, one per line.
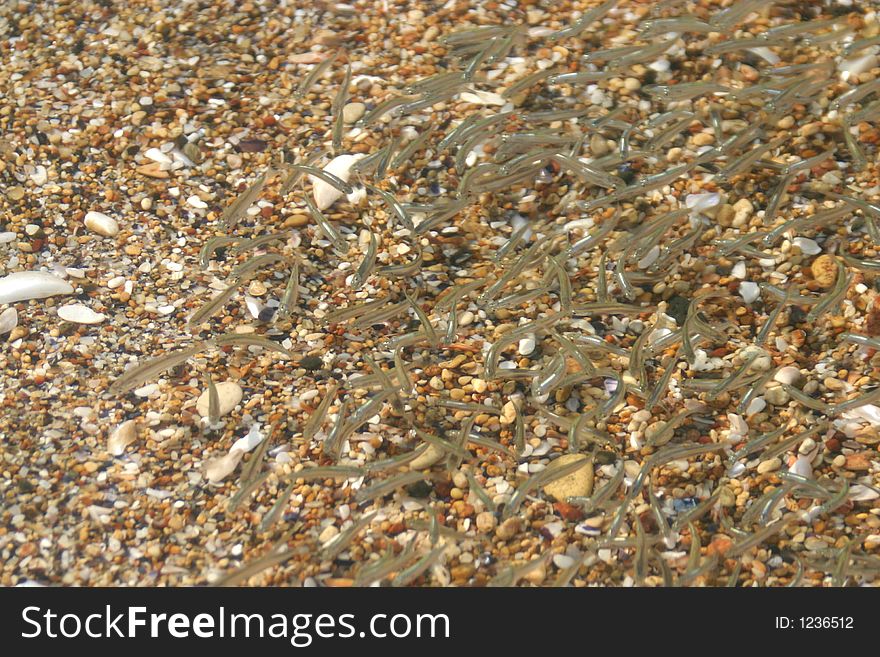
[766,54]
[325,194]
[123,436]
[100,223]
[757,405]
[8,320]
[157,156]
[738,426]
[482,98]
[80,314]
[430,456]
[788,374]
[26,285]
[253,438]
[216,470]
[862,493]
[850,67]
[196,202]
[802,466]
[806,245]
[698,203]
[869,412]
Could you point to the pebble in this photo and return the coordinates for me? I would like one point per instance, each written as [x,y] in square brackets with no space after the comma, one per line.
[100,223]
[80,314]
[121,437]
[486,522]
[579,483]
[508,529]
[229,394]
[311,363]
[824,270]
[777,396]
[815,543]
[807,447]
[527,345]
[727,497]
[508,413]
[353,112]
[743,210]
[655,429]
[749,291]
[26,285]
[770,465]
[598,145]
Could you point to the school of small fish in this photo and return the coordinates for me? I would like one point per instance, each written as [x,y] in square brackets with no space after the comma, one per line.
[625,274]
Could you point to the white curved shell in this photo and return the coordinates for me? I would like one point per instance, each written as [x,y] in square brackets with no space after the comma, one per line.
[26,285]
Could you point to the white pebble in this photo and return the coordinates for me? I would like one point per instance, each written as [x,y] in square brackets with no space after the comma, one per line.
[196,202]
[40,176]
[527,345]
[352,112]
[100,223]
[229,394]
[749,291]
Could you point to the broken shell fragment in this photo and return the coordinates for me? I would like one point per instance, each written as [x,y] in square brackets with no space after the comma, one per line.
[326,194]
[123,435]
[80,314]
